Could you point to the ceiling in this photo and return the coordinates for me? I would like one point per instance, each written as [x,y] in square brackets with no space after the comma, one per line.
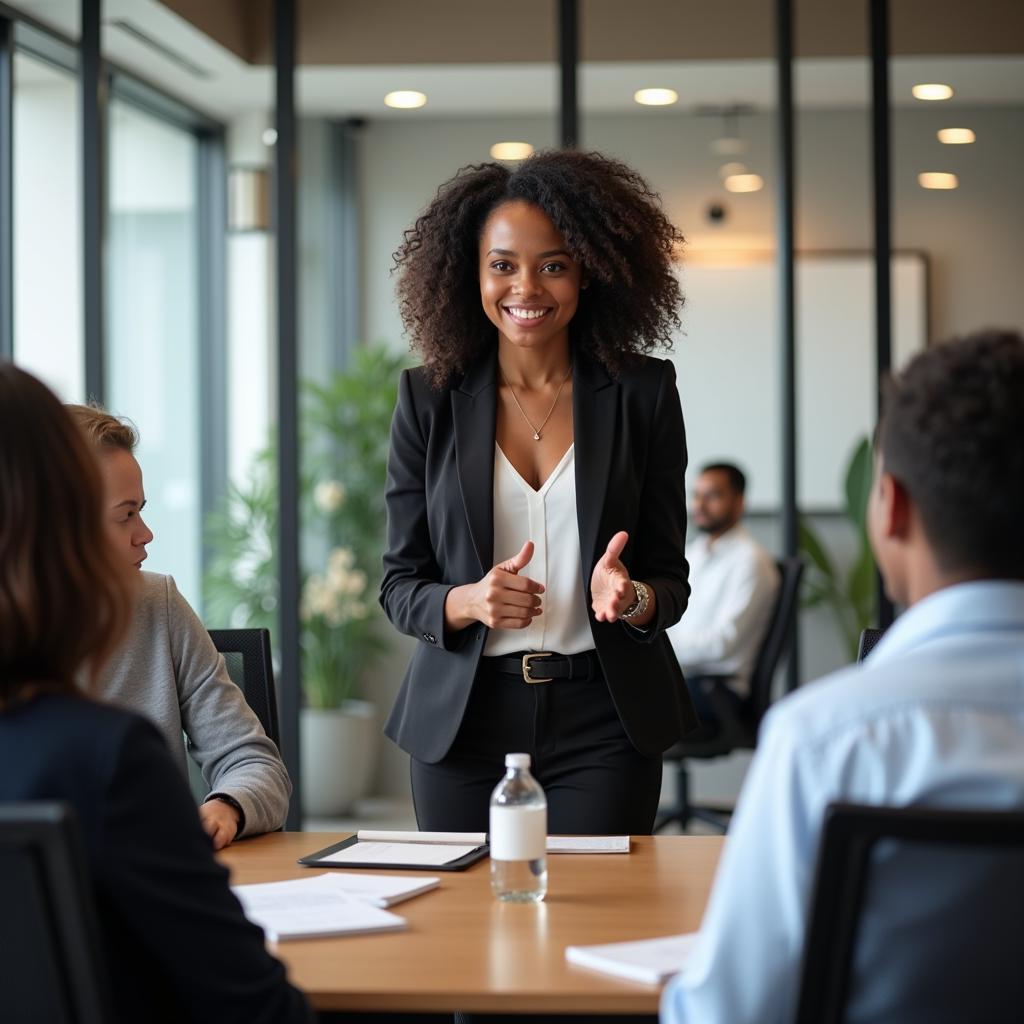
[478,58]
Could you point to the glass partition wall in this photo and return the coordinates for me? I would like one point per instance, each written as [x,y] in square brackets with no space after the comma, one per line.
[47,225]
[152,324]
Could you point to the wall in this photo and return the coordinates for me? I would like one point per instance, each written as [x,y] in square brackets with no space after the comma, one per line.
[972,282]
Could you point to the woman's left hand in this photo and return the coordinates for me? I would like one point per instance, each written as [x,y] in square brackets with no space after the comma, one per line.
[611,591]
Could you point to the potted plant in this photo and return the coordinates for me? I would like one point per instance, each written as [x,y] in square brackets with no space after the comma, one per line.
[344,430]
[850,596]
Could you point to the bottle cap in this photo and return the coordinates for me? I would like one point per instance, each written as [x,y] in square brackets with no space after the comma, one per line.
[517,760]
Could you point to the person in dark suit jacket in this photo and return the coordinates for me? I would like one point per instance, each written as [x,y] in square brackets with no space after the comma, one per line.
[175,941]
[536,502]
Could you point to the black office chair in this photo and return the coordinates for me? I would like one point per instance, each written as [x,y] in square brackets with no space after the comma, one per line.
[51,964]
[738,721]
[868,639]
[247,655]
[915,917]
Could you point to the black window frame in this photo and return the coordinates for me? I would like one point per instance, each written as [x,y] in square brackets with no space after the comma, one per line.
[20,33]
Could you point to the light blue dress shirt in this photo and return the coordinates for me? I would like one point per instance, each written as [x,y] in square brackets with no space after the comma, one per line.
[935,715]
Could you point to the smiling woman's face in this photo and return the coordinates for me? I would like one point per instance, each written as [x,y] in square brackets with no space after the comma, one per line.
[529,284]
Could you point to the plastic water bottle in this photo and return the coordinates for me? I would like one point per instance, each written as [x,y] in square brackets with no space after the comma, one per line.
[519,830]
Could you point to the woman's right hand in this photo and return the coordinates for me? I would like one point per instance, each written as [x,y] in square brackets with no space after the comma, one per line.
[501,600]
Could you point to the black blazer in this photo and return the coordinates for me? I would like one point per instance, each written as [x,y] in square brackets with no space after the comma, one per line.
[176,945]
[630,459]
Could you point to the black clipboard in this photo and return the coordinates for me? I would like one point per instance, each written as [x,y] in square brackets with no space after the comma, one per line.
[312,860]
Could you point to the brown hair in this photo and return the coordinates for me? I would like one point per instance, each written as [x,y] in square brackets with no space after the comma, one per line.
[65,598]
[103,430]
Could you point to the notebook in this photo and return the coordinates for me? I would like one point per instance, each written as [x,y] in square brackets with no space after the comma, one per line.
[651,961]
[327,905]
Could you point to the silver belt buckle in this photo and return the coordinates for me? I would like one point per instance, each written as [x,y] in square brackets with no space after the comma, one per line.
[526,666]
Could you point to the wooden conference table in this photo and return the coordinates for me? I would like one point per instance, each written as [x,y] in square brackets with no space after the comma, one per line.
[464,950]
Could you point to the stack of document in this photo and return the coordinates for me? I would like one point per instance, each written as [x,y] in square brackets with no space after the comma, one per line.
[328,904]
[650,960]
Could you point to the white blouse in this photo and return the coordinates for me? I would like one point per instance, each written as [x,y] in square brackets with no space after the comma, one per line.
[548,518]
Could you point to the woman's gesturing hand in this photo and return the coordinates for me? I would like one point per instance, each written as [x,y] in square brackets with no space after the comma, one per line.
[501,600]
[611,591]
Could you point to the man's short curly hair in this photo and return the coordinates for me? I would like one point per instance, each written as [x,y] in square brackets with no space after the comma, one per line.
[612,225]
[952,433]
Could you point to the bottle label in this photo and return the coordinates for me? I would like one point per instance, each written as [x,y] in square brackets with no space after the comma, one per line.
[518,833]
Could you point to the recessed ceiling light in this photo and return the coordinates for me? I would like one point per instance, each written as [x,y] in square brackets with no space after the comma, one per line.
[656,97]
[728,170]
[511,150]
[956,136]
[744,183]
[932,91]
[405,99]
[937,179]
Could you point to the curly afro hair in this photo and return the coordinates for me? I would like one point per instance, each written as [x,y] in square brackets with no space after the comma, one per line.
[612,225]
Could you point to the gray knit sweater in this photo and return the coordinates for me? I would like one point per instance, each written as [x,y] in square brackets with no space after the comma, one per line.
[169,671]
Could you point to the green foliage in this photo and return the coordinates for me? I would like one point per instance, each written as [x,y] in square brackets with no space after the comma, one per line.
[850,597]
[344,429]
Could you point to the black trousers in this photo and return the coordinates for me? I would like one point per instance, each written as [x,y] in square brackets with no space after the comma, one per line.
[595,780]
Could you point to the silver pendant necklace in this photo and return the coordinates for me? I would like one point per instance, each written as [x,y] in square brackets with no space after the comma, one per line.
[544,422]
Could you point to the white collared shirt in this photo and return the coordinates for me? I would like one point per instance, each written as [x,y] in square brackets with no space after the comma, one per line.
[934,716]
[548,518]
[733,583]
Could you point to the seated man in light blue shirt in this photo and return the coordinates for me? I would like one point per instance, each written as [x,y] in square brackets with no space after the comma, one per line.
[934,716]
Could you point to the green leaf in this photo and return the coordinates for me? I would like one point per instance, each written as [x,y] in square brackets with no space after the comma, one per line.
[859,476]
[812,546]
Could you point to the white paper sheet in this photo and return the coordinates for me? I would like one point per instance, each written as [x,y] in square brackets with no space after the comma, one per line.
[555,844]
[651,961]
[378,890]
[455,838]
[309,909]
[397,853]
[588,844]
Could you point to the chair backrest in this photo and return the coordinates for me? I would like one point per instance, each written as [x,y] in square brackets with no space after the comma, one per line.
[777,637]
[51,963]
[915,917]
[247,655]
[868,638]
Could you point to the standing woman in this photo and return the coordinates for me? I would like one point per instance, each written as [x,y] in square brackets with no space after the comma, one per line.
[536,500]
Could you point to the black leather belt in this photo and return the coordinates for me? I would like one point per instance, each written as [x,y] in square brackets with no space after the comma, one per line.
[545,667]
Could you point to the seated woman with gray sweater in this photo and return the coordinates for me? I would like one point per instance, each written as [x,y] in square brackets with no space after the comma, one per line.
[168,670]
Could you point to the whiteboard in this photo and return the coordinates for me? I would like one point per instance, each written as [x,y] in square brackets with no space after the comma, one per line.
[727,359]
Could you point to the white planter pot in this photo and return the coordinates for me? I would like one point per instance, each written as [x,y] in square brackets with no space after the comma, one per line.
[339,750]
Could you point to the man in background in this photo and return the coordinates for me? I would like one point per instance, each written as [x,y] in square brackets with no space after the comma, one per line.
[733,583]
[933,717]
